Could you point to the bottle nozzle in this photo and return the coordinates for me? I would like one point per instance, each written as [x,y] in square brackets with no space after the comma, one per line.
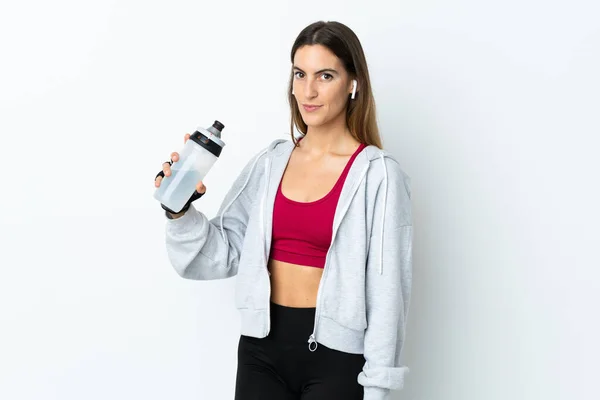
[216,129]
[219,126]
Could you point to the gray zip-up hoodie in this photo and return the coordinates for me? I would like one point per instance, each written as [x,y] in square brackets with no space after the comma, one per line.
[364,293]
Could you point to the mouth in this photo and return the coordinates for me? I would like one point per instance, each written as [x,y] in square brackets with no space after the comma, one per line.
[310,107]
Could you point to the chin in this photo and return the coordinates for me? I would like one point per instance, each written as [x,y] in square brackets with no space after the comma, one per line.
[312,125]
[313,121]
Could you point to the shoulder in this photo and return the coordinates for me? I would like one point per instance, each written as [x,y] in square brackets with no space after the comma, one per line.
[275,146]
[254,171]
[251,176]
[386,168]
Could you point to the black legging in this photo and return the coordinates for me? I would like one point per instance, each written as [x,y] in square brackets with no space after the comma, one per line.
[281,367]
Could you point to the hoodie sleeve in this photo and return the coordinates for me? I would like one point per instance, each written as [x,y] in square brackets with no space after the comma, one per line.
[204,249]
[388,286]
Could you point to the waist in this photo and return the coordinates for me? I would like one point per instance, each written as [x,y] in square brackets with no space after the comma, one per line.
[254,323]
[291,324]
[294,285]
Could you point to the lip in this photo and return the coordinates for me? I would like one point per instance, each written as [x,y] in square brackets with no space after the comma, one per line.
[310,107]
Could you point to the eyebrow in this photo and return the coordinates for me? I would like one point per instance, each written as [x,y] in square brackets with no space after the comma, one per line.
[319,71]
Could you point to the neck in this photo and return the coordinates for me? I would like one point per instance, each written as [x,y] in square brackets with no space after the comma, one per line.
[331,137]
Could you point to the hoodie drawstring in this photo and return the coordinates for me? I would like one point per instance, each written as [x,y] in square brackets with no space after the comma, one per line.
[239,192]
[385,184]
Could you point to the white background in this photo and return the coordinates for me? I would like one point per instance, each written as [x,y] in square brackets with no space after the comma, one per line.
[492,107]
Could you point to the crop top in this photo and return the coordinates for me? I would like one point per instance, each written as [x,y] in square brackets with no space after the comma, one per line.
[302,230]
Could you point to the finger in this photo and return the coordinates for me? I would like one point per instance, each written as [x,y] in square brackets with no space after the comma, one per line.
[200,188]
[167,169]
[157,181]
[174,156]
[186,137]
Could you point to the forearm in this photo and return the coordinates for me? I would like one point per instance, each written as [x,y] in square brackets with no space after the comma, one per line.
[197,250]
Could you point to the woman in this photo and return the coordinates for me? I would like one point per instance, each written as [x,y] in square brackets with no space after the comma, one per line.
[318,232]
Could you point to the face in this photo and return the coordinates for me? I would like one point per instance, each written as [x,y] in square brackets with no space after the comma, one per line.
[320,80]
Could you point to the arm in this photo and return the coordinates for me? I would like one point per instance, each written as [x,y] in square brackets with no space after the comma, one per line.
[388,287]
[204,249]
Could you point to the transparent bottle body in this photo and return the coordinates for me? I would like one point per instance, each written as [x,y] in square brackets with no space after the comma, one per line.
[193,165]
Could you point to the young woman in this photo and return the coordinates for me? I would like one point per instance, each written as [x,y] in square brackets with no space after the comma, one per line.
[318,232]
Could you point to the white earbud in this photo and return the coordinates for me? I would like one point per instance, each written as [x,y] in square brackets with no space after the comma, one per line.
[292,90]
[354,83]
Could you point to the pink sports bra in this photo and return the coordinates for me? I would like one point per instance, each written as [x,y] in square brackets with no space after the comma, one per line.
[302,230]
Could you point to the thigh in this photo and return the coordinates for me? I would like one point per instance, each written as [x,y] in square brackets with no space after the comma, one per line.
[334,376]
[333,388]
[256,377]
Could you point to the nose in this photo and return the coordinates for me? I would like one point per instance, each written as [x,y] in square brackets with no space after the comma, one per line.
[310,88]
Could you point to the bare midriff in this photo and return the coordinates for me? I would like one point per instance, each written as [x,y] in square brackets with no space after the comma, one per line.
[294,285]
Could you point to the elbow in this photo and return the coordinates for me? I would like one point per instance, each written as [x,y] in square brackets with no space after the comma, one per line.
[186,267]
[183,271]
[202,268]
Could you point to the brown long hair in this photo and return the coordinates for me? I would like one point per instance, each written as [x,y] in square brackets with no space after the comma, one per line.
[343,42]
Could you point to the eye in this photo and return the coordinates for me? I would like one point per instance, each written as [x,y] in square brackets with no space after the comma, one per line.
[327,76]
[298,72]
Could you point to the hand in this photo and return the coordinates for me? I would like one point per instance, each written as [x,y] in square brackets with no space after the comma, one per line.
[166,170]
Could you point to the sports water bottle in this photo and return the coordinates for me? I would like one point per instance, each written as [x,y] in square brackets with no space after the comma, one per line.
[195,160]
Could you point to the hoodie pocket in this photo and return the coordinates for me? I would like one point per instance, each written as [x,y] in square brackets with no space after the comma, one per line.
[349,312]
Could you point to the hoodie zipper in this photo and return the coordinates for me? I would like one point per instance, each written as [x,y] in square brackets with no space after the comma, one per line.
[312,339]
[263,233]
